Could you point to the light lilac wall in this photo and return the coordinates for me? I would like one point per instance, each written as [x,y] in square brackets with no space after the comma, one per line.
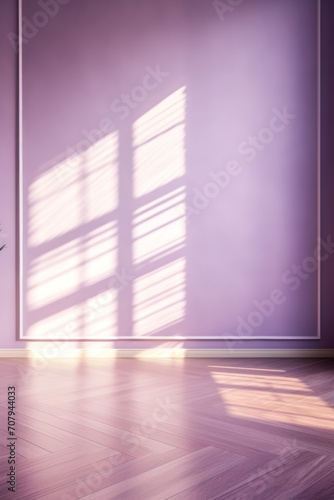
[7,184]
[200,52]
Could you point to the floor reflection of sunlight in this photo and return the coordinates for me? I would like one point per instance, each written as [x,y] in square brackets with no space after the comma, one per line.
[299,415]
[159,226]
[272,398]
[167,350]
[260,381]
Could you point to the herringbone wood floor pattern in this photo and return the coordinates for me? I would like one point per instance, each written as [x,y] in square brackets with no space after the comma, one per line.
[190,429]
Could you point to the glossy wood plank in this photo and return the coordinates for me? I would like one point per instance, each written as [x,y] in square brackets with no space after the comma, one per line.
[193,429]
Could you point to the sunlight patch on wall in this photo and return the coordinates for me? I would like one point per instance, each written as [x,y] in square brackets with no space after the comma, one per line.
[59,204]
[54,206]
[159,144]
[100,256]
[159,228]
[92,318]
[159,225]
[101,166]
[159,299]
[72,242]
[54,275]
[56,324]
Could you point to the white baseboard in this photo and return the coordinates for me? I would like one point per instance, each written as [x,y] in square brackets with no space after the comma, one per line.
[167,353]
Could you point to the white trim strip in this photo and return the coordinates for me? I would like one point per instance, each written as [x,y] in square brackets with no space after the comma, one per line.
[20,176]
[166,338]
[171,339]
[170,353]
[319,165]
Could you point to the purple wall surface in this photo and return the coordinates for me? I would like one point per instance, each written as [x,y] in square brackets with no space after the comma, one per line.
[170,180]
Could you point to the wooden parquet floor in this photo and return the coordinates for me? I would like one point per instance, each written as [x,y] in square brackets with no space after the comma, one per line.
[194,429]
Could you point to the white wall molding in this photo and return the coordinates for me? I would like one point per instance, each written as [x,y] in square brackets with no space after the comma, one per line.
[168,353]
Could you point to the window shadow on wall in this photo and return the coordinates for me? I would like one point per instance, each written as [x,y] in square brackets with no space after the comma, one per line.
[138,230]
